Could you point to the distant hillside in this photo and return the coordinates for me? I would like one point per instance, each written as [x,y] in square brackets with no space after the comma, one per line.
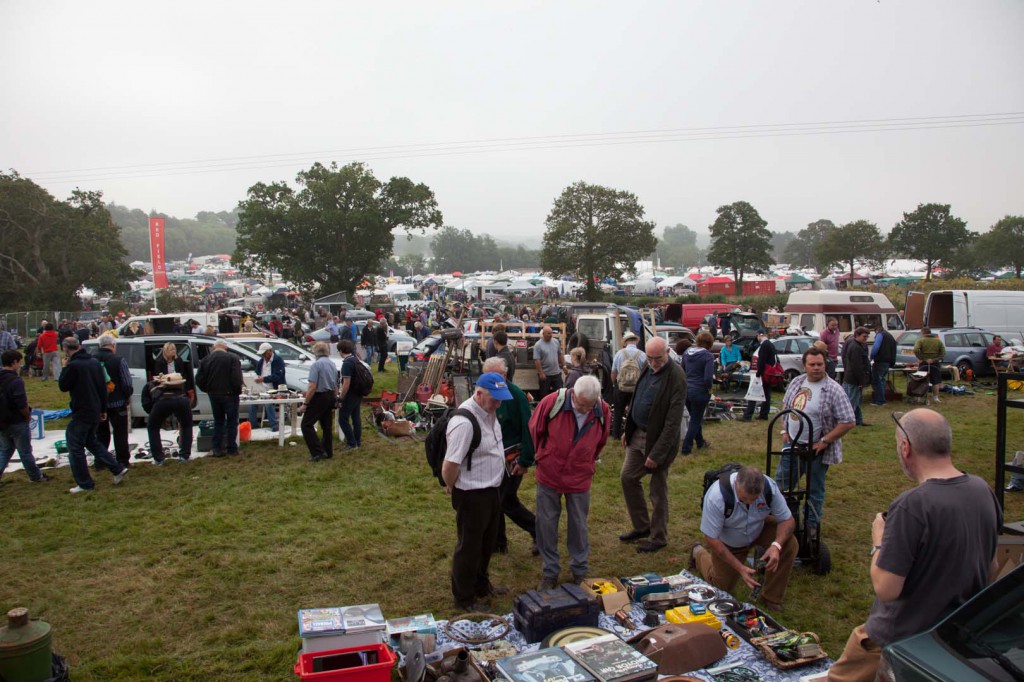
[207,234]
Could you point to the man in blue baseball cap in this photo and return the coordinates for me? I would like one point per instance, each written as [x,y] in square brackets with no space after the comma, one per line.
[474,465]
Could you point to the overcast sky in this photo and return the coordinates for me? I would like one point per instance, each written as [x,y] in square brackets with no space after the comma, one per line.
[689,105]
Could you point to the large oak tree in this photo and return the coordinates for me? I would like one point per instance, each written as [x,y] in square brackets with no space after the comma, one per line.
[1003,245]
[928,234]
[595,232]
[856,241]
[740,241]
[332,231]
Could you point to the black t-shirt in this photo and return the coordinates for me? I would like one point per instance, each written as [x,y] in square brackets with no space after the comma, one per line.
[940,536]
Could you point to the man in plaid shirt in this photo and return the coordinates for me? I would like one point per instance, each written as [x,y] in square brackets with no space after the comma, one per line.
[831,413]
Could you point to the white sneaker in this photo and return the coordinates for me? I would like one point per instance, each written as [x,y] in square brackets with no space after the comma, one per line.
[936,399]
[120,477]
[78,489]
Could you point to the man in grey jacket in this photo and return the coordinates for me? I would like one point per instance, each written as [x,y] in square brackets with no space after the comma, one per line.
[652,441]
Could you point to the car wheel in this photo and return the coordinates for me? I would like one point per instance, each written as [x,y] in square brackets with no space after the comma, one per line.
[790,375]
[963,367]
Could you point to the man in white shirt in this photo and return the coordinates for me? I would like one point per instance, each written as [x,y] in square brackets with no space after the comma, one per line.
[472,477]
[624,393]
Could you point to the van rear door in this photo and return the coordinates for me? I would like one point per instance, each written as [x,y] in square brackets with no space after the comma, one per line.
[913,312]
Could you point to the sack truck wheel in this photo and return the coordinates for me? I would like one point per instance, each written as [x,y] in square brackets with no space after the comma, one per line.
[824,564]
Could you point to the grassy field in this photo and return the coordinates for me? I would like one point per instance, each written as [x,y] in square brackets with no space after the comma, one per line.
[195,571]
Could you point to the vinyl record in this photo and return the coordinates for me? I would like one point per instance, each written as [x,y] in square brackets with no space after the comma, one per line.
[573,634]
[724,607]
[701,594]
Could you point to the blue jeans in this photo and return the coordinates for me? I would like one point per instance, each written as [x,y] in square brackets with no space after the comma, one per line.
[271,412]
[18,437]
[369,354]
[814,504]
[855,394]
[225,423]
[81,436]
[350,420]
[879,375]
[696,404]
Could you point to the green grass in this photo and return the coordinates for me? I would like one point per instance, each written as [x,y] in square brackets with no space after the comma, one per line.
[195,571]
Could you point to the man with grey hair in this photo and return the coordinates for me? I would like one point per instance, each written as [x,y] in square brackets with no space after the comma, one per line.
[320,399]
[82,377]
[220,377]
[116,422]
[652,442]
[742,511]
[931,551]
[570,428]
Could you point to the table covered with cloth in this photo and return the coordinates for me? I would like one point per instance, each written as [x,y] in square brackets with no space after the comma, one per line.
[746,655]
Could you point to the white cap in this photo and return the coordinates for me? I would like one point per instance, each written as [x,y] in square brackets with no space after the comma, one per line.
[264,347]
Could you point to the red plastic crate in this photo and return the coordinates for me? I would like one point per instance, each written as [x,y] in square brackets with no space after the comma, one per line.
[374,672]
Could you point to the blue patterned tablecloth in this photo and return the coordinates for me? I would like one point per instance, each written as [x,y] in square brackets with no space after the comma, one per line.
[746,655]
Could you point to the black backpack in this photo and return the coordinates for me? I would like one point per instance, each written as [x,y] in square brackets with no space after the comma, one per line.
[362,379]
[7,412]
[722,476]
[151,393]
[436,443]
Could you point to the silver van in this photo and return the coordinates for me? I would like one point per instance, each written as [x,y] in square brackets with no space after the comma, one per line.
[142,352]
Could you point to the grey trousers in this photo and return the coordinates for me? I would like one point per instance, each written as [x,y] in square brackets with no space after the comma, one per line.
[632,476]
[549,511]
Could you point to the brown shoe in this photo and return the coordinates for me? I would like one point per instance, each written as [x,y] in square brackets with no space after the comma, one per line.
[691,565]
[772,606]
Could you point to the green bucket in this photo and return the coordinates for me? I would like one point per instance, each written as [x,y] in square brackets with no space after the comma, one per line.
[62,447]
[25,653]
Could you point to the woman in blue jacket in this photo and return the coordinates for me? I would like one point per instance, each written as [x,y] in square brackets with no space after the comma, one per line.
[699,364]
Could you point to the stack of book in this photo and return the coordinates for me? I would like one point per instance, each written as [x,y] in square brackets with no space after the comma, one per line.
[599,659]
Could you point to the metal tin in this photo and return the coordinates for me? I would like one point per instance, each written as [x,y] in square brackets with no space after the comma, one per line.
[25,653]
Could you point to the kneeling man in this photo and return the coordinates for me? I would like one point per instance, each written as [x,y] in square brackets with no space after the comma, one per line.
[732,530]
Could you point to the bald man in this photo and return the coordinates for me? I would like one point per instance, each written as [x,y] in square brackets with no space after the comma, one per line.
[549,361]
[931,551]
[652,441]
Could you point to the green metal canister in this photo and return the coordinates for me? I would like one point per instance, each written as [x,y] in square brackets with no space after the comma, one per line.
[25,654]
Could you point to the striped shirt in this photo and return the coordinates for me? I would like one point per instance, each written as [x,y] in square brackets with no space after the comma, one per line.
[488,460]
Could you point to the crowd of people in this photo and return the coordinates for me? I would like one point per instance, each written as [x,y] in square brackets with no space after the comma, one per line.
[948,513]
[660,395]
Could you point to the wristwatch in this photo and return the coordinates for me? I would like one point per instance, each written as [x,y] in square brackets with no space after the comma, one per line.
[825,440]
[875,549]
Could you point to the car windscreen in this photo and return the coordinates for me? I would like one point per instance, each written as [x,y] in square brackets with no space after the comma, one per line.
[909,339]
[746,324]
[987,631]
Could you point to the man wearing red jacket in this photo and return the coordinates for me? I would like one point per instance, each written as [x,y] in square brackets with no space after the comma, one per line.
[46,345]
[567,446]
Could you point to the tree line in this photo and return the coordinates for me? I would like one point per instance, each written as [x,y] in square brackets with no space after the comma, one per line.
[338,224]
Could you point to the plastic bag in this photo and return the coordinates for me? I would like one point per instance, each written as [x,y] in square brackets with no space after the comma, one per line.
[755,392]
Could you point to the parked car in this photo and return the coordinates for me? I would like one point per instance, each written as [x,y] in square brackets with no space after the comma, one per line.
[981,640]
[790,352]
[394,336]
[141,352]
[293,355]
[427,347]
[965,348]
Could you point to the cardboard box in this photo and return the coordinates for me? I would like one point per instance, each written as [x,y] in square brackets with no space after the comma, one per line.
[612,601]
[422,624]
[1009,554]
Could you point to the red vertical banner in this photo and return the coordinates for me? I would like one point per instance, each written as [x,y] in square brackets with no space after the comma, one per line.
[156,251]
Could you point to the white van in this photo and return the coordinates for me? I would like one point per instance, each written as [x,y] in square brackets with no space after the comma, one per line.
[999,312]
[810,310]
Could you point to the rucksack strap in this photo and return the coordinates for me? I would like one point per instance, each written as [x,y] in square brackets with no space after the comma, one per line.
[474,442]
[729,497]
